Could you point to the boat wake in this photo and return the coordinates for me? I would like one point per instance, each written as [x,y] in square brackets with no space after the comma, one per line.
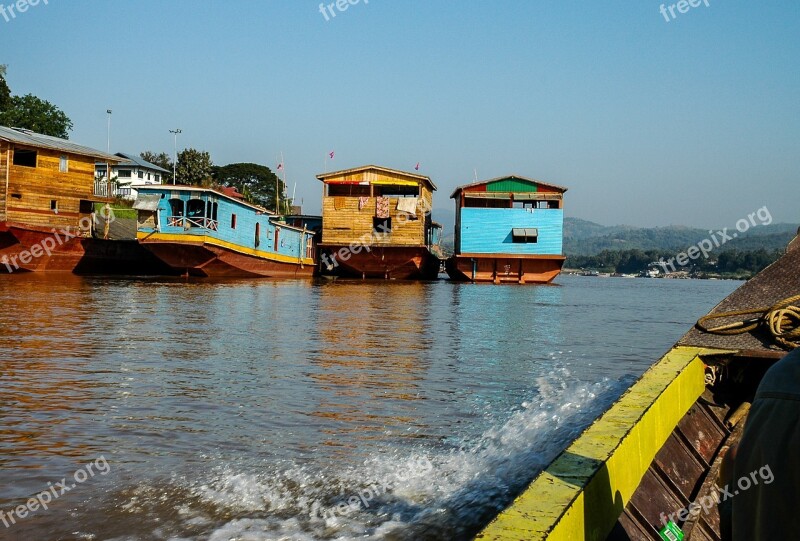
[424,493]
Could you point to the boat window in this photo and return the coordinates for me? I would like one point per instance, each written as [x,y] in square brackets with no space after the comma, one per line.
[486,203]
[85,206]
[176,207]
[397,191]
[196,212]
[277,234]
[54,205]
[63,165]
[233,221]
[352,190]
[258,234]
[25,158]
[527,235]
[381,226]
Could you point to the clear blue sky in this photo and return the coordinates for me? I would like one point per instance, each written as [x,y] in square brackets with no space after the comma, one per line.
[695,121]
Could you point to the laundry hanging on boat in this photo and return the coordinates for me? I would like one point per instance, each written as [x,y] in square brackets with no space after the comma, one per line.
[382,207]
[408,205]
[362,202]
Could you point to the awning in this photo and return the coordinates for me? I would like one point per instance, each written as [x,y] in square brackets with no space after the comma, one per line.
[147,202]
[395,183]
[525,233]
[487,195]
[537,196]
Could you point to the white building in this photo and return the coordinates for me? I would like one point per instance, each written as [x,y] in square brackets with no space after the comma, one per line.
[132,170]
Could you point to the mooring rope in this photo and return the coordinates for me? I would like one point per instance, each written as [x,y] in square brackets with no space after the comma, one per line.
[782,320]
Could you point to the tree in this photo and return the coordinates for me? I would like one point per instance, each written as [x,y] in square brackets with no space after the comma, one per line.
[5,92]
[194,167]
[38,115]
[256,182]
[162,160]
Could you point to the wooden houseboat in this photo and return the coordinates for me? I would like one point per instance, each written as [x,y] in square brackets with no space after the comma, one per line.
[508,229]
[648,468]
[47,210]
[377,224]
[215,233]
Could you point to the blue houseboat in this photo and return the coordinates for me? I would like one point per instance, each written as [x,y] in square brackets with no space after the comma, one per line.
[508,229]
[207,232]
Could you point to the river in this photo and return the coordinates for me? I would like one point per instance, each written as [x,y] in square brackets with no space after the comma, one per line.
[264,410]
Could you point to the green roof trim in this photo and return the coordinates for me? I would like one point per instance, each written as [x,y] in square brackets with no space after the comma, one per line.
[513,185]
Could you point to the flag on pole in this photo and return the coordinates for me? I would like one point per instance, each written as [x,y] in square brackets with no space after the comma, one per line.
[280,166]
[417,167]
[331,154]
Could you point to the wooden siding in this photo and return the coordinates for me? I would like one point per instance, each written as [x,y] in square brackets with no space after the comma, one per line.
[344,223]
[371,176]
[31,189]
[488,231]
[3,171]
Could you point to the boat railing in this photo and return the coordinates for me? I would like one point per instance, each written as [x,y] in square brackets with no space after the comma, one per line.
[199,222]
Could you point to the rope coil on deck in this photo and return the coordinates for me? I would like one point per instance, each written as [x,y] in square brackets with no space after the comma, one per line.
[782,320]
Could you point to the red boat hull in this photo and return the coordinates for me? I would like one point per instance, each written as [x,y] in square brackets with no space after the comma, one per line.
[30,249]
[504,268]
[207,260]
[390,262]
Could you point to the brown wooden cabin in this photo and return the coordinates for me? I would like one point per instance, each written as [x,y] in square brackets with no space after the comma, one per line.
[48,186]
[377,223]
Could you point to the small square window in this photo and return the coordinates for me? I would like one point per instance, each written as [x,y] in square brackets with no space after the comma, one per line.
[25,158]
[63,165]
[54,205]
[382,226]
[233,221]
[529,235]
[141,174]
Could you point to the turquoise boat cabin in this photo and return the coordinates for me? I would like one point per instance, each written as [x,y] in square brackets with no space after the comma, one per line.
[208,232]
[508,229]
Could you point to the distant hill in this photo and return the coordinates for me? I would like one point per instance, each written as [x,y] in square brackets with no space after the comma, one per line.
[582,237]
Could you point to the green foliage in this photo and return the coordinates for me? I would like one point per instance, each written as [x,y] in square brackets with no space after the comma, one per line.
[587,238]
[161,159]
[194,167]
[728,263]
[5,92]
[256,182]
[38,115]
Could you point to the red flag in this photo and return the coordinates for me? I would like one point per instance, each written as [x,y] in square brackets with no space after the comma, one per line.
[331,154]
[280,166]
[417,167]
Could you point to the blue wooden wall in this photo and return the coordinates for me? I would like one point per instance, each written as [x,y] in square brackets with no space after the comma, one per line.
[488,231]
[290,241]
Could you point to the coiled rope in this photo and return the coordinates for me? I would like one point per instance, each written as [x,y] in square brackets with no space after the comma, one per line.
[782,320]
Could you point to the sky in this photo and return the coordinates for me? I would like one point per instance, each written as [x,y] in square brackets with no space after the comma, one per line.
[648,119]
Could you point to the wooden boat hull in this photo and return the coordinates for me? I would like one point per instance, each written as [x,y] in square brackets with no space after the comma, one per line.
[504,268]
[654,457]
[53,250]
[207,259]
[383,262]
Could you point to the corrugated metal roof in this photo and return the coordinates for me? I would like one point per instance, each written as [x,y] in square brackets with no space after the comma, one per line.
[29,138]
[147,202]
[324,176]
[137,160]
[518,177]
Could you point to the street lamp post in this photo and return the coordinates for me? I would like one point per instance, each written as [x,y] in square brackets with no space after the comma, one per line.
[108,151]
[175,163]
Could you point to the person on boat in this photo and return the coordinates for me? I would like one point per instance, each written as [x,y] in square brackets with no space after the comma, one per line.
[765,507]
